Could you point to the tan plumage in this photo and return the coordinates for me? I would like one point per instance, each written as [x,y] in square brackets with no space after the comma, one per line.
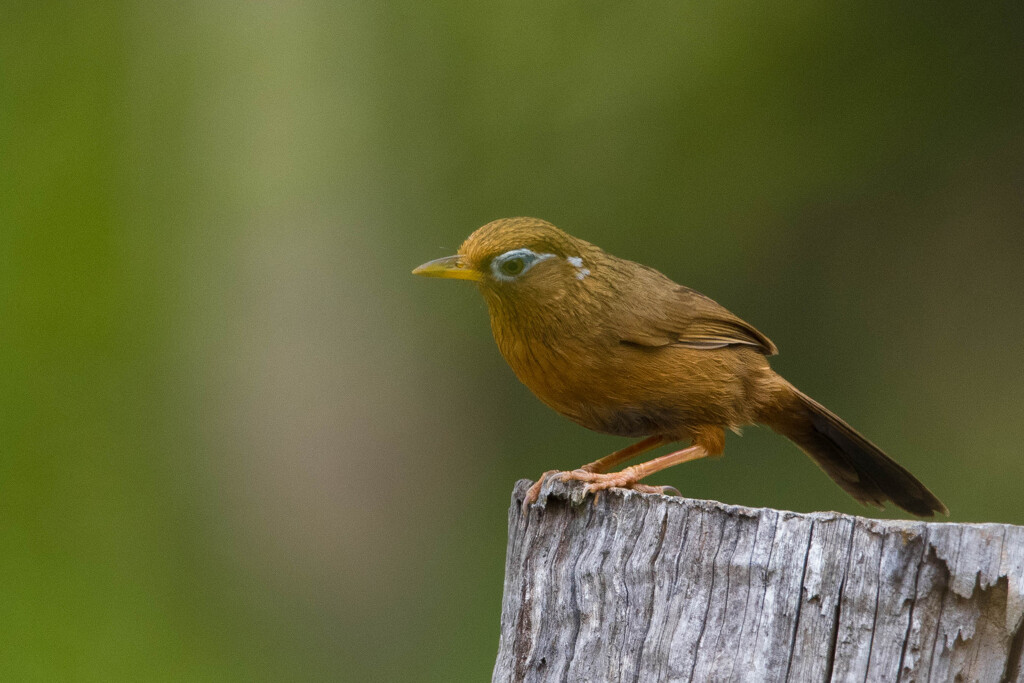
[621,349]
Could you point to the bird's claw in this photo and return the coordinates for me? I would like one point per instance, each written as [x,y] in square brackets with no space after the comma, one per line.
[662,490]
[533,493]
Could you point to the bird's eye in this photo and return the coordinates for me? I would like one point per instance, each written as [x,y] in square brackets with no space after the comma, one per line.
[510,265]
[513,266]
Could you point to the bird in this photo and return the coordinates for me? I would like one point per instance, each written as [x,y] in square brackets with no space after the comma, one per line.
[621,349]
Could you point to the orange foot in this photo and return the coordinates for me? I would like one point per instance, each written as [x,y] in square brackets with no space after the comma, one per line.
[626,479]
[533,493]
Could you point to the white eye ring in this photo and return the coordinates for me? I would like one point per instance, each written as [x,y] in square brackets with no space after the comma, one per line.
[506,266]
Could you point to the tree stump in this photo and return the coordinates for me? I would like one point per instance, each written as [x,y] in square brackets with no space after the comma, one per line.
[638,587]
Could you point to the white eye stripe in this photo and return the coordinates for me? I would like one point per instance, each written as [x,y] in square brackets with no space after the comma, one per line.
[528,257]
[528,254]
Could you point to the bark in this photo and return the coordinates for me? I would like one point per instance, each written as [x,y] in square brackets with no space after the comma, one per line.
[637,587]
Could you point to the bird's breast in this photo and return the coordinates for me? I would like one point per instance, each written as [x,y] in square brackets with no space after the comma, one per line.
[555,365]
[588,380]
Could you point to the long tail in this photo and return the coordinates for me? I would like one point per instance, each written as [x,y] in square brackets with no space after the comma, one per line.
[853,462]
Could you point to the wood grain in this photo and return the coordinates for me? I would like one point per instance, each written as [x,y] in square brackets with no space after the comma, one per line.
[637,587]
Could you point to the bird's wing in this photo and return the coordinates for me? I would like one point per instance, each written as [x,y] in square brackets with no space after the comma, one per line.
[684,317]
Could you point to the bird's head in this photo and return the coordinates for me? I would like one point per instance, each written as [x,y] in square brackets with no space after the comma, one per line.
[518,259]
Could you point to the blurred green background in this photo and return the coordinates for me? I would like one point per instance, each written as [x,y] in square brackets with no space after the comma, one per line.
[239,441]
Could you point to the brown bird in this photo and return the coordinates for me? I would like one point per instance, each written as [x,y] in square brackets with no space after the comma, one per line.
[621,349]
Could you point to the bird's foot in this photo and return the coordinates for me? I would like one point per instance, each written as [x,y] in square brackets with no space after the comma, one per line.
[533,493]
[626,479]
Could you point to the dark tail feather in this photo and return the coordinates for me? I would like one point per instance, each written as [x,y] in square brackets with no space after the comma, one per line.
[853,462]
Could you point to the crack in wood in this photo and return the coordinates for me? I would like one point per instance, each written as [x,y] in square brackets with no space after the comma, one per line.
[799,602]
[913,603]
[707,607]
[654,562]
[878,592]
[1013,672]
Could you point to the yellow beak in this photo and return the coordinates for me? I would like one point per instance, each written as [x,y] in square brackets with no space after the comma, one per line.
[450,267]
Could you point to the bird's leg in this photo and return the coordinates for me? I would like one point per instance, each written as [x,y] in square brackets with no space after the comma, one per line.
[707,440]
[631,451]
[598,466]
[628,478]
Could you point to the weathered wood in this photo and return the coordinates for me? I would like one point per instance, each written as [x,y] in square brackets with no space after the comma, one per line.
[637,587]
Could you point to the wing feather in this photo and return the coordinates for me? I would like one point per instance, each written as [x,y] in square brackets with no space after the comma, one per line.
[684,317]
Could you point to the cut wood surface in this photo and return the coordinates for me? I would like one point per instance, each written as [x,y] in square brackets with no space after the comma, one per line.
[638,587]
